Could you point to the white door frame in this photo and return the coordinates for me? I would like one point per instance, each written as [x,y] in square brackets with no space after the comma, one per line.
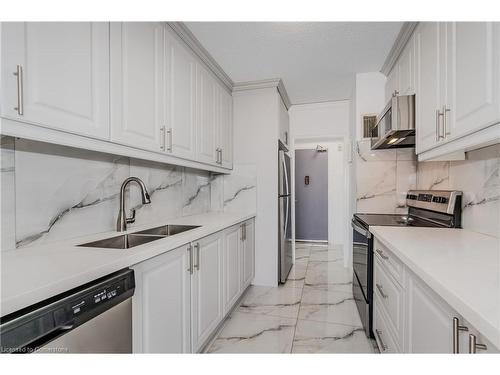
[337,203]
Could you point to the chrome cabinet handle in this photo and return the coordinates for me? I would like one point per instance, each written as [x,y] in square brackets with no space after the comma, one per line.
[445,122]
[162,138]
[379,335]
[190,251]
[381,291]
[217,158]
[473,345]
[197,248]
[20,93]
[382,255]
[219,155]
[243,232]
[456,331]
[439,114]
[170,135]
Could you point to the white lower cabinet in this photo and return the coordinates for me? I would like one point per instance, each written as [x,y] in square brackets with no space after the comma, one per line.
[383,336]
[162,304]
[247,256]
[409,317]
[430,320]
[183,295]
[233,241]
[206,290]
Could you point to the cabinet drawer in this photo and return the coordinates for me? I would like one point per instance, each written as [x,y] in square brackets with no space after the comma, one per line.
[388,296]
[389,260]
[383,336]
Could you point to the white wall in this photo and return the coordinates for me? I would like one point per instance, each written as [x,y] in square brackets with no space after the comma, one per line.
[256,128]
[328,119]
[368,97]
[327,124]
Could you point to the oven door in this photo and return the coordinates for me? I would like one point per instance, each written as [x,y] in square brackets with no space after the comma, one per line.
[362,260]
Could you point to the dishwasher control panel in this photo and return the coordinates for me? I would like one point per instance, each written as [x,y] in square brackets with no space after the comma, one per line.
[30,327]
[103,295]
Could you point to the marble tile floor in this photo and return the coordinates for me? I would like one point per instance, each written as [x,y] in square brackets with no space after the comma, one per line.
[314,312]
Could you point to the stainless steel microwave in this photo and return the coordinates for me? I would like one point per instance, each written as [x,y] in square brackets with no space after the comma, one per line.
[395,126]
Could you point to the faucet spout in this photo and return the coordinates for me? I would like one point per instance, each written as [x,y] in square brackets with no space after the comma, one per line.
[121,224]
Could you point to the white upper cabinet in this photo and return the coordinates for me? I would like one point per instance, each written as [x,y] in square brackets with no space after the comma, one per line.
[180,84]
[392,83]
[208,114]
[134,84]
[56,75]
[225,128]
[474,76]
[137,97]
[457,86]
[406,69]
[430,83]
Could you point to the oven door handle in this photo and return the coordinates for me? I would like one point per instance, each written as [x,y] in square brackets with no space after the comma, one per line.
[361,230]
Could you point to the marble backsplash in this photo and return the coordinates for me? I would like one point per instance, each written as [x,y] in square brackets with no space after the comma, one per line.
[383,177]
[478,177]
[50,192]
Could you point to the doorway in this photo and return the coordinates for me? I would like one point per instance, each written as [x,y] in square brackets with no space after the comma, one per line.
[311,194]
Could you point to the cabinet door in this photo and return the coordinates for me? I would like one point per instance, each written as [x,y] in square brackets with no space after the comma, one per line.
[161,304]
[225,125]
[231,270]
[429,39]
[406,70]
[392,83]
[137,84]
[429,320]
[248,255]
[64,83]
[206,289]
[208,98]
[181,96]
[474,76]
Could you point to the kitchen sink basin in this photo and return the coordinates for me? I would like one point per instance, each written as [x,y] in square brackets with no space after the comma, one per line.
[125,241]
[167,230]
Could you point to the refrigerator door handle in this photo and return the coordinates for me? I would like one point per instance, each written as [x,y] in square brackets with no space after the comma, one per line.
[287,188]
[287,202]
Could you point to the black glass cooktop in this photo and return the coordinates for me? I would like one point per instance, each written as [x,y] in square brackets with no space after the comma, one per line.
[393,220]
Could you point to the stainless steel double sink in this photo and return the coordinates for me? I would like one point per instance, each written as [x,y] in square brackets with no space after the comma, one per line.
[127,241]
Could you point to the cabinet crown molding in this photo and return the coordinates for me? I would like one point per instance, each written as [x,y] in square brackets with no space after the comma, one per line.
[265,84]
[398,46]
[188,37]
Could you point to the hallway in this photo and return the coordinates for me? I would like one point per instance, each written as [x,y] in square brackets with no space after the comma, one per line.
[314,312]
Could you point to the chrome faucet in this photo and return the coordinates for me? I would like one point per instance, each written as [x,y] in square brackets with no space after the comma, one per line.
[123,220]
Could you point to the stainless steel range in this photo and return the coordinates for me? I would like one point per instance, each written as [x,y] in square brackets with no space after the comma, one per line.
[435,208]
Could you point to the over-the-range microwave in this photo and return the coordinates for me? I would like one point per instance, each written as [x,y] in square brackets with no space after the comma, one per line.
[395,126]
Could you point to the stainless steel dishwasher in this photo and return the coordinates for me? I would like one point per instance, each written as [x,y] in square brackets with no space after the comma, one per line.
[93,318]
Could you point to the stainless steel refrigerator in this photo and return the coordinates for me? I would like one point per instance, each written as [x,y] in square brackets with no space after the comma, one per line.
[285,222]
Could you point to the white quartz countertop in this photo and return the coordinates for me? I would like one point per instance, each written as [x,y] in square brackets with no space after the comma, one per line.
[461,266]
[32,274]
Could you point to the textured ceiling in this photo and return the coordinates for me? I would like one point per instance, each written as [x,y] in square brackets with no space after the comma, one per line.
[316,60]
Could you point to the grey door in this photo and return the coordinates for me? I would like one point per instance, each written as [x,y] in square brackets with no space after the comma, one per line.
[311,195]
